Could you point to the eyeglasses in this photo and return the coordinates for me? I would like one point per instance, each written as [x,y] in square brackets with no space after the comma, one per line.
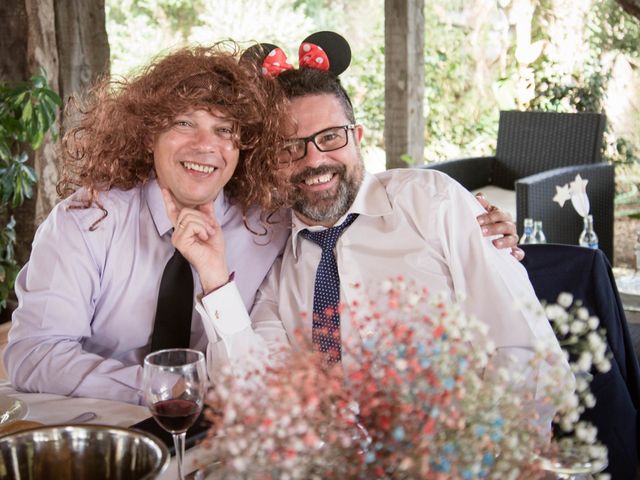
[325,141]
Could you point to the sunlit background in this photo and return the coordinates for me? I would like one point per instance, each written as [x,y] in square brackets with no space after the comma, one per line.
[480,57]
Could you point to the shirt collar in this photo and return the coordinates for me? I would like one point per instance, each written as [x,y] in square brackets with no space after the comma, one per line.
[155,202]
[371,201]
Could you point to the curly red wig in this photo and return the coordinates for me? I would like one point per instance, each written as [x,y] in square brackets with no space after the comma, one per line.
[110,147]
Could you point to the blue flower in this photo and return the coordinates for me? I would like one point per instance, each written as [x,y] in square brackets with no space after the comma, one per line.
[370,344]
[443,466]
[480,430]
[398,434]
[463,363]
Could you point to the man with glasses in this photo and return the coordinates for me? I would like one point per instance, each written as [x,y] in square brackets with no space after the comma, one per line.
[352,231]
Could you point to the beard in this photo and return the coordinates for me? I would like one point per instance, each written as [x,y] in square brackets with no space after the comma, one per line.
[327,206]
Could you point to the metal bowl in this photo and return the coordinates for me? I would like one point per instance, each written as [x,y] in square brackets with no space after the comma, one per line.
[82,452]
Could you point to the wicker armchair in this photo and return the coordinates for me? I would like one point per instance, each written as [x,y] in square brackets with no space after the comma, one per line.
[537,151]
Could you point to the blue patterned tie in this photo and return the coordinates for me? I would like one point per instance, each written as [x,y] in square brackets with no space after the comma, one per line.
[325,331]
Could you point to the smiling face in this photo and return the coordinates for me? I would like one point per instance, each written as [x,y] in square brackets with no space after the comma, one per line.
[325,183]
[196,156]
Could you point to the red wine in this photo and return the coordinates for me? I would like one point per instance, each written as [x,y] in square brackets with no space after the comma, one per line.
[175,415]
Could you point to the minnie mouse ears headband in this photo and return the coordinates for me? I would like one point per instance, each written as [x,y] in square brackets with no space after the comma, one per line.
[326,51]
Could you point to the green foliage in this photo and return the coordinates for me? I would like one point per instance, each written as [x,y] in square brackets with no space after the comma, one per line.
[583,92]
[465,86]
[460,113]
[139,30]
[609,30]
[27,113]
[612,29]
[365,85]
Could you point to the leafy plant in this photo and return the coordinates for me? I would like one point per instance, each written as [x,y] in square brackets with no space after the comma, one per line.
[27,113]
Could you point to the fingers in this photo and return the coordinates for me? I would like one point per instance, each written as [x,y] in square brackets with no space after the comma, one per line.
[518,253]
[495,215]
[501,228]
[483,201]
[496,222]
[194,223]
[507,241]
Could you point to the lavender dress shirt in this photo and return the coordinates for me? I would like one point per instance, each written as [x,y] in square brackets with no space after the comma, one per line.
[87,300]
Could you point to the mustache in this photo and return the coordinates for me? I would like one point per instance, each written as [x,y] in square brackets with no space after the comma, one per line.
[314,172]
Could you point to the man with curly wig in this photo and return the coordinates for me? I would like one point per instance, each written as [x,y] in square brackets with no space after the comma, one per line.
[192,123]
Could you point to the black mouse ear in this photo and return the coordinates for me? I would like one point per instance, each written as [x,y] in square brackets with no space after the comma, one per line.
[268,58]
[335,47]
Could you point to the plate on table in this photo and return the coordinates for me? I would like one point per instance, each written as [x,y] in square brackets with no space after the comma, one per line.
[11,409]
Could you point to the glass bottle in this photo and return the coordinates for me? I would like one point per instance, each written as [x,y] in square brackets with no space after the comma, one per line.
[588,237]
[527,236]
[538,234]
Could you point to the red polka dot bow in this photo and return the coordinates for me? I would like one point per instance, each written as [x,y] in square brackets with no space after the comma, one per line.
[310,56]
[275,62]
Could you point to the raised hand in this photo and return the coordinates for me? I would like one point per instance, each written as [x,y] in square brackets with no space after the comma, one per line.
[497,222]
[198,236]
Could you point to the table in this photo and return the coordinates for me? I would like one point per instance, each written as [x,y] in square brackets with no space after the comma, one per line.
[628,283]
[51,409]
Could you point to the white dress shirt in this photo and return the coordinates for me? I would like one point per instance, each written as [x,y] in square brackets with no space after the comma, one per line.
[416,223]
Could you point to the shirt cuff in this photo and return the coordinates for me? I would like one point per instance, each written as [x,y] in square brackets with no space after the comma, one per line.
[226,311]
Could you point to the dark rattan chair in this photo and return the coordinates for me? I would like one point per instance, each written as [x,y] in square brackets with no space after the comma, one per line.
[537,151]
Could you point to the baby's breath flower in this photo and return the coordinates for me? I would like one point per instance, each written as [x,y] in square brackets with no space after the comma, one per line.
[563,328]
[425,396]
[578,326]
[585,361]
[582,313]
[565,299]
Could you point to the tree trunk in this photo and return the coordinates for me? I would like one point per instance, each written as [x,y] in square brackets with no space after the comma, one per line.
[68,41]
[404,81]
[632,7]
[83,46]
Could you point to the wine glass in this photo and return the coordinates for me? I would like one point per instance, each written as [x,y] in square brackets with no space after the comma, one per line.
[570,462]
[174,386]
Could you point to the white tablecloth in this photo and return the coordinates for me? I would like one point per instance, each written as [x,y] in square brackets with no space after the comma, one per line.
[52,409]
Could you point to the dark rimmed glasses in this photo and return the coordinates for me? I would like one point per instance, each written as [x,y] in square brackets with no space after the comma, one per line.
[326,140]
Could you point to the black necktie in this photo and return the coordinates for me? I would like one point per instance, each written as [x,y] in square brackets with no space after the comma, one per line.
[172,327]
[325,330]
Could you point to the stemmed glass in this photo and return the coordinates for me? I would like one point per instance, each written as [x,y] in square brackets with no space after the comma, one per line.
[569,463]
[174,386]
